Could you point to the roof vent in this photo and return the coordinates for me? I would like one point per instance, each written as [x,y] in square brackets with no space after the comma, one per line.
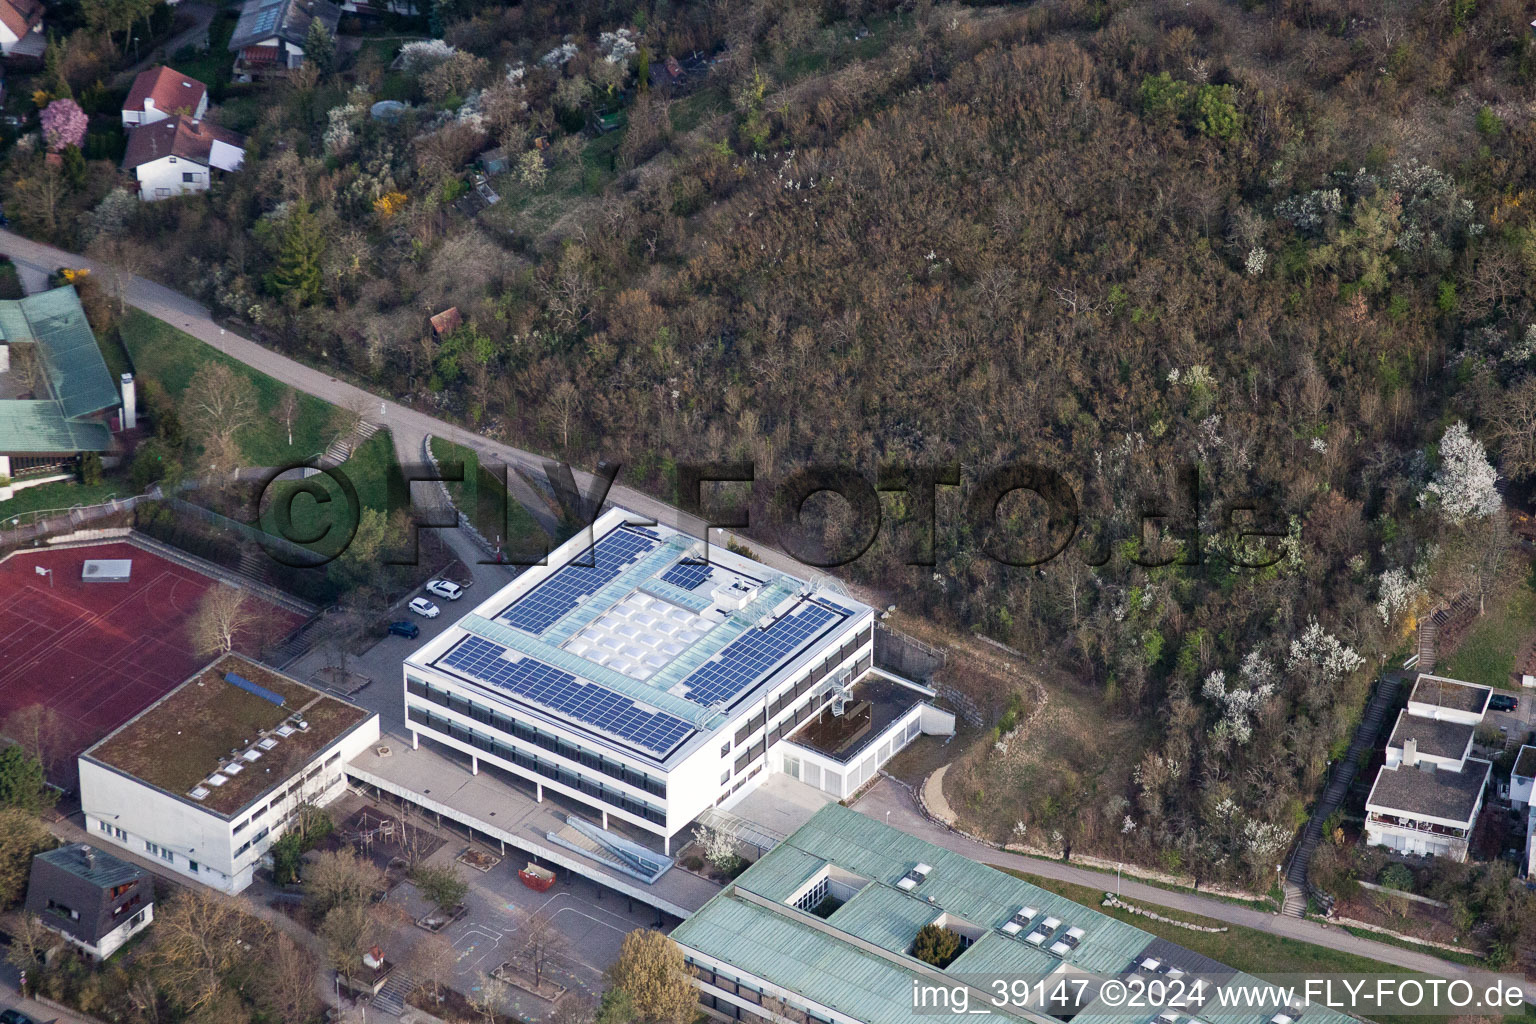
[1019,921]
[913,878]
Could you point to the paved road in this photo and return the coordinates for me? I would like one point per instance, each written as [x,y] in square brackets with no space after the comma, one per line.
[409,425]
[10,999]
[890,796]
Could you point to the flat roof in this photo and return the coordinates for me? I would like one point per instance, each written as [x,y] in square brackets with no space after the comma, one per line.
[211,728]
[630,638]
[92,865]
[1430,792]
[1525,764]
[857,960]
[1452,694]
[1434,736]
[877,702]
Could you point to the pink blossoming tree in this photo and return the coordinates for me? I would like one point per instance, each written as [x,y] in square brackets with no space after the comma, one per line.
[64,125]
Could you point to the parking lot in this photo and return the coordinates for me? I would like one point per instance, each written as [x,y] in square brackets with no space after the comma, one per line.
[593,924]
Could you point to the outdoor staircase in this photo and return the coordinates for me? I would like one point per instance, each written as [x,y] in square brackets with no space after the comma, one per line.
[1431,625]
[391,998]
[342,448]
[254,565]
[1342,777]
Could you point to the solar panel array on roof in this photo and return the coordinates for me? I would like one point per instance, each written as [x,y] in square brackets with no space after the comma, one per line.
[564,694]
[747,657]
[686,575]
[552,599]
[254,688]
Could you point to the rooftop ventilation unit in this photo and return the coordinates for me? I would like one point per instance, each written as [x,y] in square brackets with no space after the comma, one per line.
[1068,942]
[1019,921]
[303,725]
[1042,931]
[913,878]
[199,792]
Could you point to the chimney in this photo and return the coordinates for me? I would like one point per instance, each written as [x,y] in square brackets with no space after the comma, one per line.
[1410,753]
[90,857]
[130,403]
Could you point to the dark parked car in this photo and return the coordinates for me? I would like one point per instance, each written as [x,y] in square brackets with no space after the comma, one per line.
[15,1017]
[409,630]
[1500,702]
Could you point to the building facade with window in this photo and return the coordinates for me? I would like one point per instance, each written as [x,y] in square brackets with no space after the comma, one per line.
[207,778]
[646,682]
[1427,796]
[93,899]
[824,929]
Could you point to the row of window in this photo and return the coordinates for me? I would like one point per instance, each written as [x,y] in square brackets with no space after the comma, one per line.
[548,769]
[529,734]
[816,675]
[747,993]
[286,794]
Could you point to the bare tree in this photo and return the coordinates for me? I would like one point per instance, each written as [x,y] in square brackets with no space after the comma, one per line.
[488,998]
[30,945]
[1514,430]
[289,987]
[222,616]
[40,730]
[433,959]
[218,401]
[563,402]
[288,411]
[199,940]
[541,945]
[27,366]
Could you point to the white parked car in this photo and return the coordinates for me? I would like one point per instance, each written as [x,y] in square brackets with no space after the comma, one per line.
[446,590]
[426,609]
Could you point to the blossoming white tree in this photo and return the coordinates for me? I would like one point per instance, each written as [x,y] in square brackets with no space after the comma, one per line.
[1244,700]
[1398,591]
[1463,488]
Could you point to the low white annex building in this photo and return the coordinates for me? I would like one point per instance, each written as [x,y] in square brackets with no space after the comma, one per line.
[646,686]
[210,775]
[1427,796]
[176,155]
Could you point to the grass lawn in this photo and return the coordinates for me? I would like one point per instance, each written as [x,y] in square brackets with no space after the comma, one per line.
[696,108]
[476,499]
[369,470]
[1247,949]
[163,353]
[211,66]
[62,495]
[1487,655]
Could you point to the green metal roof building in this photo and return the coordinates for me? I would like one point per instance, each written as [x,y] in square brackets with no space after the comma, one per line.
[79,388]
[821,929]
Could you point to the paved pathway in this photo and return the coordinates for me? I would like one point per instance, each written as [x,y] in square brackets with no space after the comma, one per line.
[409,425]
[1341,778]
[889,801]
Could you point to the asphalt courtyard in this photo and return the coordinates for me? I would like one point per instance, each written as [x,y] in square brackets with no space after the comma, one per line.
[592,923]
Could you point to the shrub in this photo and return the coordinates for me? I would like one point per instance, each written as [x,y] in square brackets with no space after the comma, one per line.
[936,945]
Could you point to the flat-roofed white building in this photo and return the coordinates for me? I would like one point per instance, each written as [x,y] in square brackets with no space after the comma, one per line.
[1427,796]
[207,778]
[630,678]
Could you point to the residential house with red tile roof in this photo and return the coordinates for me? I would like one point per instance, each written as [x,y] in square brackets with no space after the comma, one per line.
[177,155]
[21,28]
[160,92]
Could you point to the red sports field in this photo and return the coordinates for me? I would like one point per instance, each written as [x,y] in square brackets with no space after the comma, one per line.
[99,653]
